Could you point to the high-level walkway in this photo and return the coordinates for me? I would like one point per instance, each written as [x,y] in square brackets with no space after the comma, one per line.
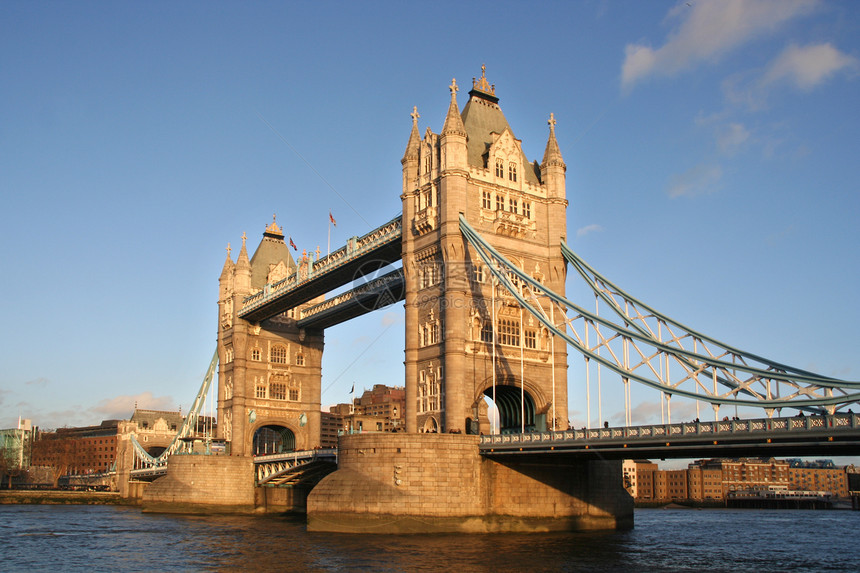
[361,256]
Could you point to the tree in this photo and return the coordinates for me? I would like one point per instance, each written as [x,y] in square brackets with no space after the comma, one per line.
[57,452]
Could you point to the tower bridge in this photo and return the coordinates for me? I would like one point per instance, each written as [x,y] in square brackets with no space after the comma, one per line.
[483,264]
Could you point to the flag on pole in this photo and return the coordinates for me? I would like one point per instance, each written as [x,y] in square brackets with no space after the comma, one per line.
[352,390]
[293,245]
[333,222]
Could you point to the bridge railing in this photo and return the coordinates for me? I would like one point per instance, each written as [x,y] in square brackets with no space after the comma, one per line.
[355,247]
[836,422]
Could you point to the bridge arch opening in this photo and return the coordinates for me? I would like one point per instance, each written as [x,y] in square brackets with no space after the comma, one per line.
[155,451]
[273,439]
[514,410]
[431,426]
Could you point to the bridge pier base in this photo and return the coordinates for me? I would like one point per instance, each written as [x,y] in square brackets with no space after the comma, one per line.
[203,484]
[415,483]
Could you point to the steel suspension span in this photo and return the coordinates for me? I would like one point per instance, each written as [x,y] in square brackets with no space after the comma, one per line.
[651,349]
[189,427]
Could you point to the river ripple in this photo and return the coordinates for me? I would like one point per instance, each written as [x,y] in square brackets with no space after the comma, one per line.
[110,538]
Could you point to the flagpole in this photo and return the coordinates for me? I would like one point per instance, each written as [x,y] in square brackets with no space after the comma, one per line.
[329,234]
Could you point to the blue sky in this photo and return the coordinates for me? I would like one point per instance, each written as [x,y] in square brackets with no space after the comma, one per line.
[711,149]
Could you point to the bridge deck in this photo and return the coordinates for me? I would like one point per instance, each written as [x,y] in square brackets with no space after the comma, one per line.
[810,435]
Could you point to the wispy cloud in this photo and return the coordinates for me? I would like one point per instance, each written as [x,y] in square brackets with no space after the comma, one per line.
[40,382]
[805,67]
[699,180]
[708,29]
[594,228]
[731,137]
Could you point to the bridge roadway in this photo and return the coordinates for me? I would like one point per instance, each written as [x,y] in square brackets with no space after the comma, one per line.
[360,257]
[836,435]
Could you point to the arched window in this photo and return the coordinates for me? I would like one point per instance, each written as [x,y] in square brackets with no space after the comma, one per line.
[255,354]
[278,355]
[512,171]
[300,359]
[500,168]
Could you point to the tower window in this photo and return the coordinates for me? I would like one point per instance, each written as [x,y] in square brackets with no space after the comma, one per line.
[513,206]
[530,339]
[527,209]
[500,168]
[294,394]
[255,354]
[278,355]
[512,171]
[486,331]
[487,200]
[500,203]
[300,359]
[278,391]
[509,332]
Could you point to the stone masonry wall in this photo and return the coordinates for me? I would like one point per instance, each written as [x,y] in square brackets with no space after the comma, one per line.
[439,482]
[203,483]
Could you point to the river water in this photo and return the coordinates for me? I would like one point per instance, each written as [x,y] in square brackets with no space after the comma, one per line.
[113,538]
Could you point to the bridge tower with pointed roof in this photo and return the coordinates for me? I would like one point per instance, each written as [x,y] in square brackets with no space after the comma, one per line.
[457,327]
[269,372]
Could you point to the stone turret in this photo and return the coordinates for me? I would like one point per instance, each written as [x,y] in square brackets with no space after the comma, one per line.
[453,137]
[552,168]
[242,272]
[410,157]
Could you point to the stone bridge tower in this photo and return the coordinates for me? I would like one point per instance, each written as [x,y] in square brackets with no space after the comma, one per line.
[476,167]
[269,373]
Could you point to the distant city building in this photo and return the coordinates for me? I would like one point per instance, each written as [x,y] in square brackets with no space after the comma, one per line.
[716,480]
[15,450]
[376,410]
[86,449]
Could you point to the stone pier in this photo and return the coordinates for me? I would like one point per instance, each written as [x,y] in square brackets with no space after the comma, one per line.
[411,483]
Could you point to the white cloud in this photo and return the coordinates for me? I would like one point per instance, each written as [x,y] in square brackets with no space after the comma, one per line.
[708,30]
[807,66]
[121,407]
[582,231]
[699,180]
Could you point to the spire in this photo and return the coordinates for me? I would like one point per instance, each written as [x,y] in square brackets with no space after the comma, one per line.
[228,263]
[414,137]
[243,262]
[552,167]
[552,154]
[453,121]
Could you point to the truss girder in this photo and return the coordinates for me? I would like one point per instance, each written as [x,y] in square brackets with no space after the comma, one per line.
[771,386]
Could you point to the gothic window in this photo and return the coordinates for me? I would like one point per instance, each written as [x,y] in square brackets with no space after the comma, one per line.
[513,206]
[427,164]
[500,168]
[294,394]
[428,274]
[530,338]
[512,171]
[278,355]
[527,209]
[477,273]
[300,359]
[487,200]
[255,354]
[278,391]
[509,332]
[500,203]
[261,391]
[228,354]
[487,331]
